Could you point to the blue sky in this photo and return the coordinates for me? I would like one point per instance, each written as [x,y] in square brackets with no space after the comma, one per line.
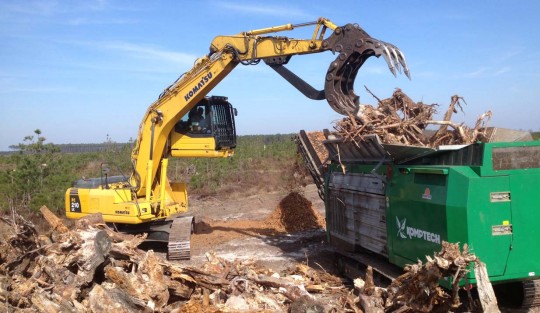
[79,70]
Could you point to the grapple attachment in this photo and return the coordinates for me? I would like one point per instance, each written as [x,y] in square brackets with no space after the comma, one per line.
[355,46]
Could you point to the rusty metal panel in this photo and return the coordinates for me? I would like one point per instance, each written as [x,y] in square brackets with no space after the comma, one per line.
[371,150]
[497,134]
[511,158]
[369,183]
[358,214]
[368,150]
[340,222]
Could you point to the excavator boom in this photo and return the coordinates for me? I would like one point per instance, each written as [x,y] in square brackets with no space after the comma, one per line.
[351,43]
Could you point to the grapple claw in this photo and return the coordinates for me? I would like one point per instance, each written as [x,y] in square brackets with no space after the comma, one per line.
[389,60]
[396,59]
[404,64]
[355,46]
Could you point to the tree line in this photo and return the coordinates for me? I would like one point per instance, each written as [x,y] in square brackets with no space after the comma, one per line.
[39,173]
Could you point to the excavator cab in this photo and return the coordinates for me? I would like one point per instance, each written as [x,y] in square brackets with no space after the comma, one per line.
[207,130]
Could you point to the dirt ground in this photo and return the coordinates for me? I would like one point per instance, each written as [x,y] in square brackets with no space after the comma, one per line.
[245,228]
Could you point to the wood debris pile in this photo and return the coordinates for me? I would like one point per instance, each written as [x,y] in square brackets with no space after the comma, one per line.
[92,268]
[418,289]
[400,120]
[294,214]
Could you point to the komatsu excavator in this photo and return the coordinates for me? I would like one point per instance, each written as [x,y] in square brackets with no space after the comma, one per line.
[185,122]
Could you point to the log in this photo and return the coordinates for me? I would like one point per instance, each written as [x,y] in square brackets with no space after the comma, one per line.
[485,289]
[55,222]
[112,300]
[448,115]
[90,220]
[45,305]
[63,280]
[306,304]
[178,289]
[370,295]
[96,245]
[371,304]
[125,246]
[369,284]
[315,288]
[146,283]
[291,291]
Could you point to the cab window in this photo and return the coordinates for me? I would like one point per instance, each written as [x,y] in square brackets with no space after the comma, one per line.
[197,121]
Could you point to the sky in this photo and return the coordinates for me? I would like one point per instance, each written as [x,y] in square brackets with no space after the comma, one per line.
[85,71]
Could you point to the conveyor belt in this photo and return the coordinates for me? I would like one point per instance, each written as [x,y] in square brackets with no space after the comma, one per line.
[311,160]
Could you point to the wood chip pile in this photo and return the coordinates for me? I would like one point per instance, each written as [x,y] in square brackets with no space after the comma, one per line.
[91,268]
[400,120]
[294,214]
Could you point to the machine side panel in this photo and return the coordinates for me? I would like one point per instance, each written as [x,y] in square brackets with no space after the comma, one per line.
[489,222]
[357,212]
[416,213]
[524,258]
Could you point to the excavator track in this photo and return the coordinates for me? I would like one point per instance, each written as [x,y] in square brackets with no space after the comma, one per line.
[179,246]
[531,293]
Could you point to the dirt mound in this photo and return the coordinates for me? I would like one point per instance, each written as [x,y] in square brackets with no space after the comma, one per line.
[294,214]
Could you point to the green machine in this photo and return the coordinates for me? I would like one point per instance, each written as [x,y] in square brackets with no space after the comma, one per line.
[400,202]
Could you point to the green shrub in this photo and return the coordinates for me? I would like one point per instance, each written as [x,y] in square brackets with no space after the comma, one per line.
[38,174]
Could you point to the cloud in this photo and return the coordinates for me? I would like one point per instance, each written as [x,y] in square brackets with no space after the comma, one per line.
[52,7]
[140,51]
[86,21]
[487,72]
[30,7]
[151,52]
[508,54]
[503,70]
[63,12]
[264,9]
[43,89]
[477,73]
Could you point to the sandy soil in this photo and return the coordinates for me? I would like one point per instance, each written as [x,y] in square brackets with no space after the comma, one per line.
[252,228]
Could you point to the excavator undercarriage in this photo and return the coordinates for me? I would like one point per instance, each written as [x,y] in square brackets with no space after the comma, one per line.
[174,233]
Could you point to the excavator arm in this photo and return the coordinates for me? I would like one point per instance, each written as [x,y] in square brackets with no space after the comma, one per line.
[351,43]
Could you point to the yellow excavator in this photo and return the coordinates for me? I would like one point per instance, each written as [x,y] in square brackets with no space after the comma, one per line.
[185,122]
